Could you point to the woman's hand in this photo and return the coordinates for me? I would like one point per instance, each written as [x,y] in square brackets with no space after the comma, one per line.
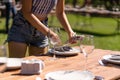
[55,37]
[72,38]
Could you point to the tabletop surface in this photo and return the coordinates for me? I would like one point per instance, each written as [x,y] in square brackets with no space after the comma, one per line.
[111,72]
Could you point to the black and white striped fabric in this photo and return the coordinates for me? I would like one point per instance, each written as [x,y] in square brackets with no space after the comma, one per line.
[42,7]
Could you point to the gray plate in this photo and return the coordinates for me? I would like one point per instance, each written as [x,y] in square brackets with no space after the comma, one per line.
[66,53]
[110,59]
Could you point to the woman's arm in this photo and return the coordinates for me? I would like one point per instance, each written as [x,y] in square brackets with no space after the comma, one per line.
[30,17]
[63,18]
[26,10]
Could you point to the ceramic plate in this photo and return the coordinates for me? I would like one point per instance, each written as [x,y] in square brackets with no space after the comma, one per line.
[69,75]
[112,59]
[14,63]
[73,51]
[3,59]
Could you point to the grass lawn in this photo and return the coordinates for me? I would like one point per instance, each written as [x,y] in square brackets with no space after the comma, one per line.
[103,29]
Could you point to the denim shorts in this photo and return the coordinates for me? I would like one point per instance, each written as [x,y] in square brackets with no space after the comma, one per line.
[22,31]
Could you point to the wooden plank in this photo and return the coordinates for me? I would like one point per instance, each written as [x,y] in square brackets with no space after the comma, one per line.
[70,63]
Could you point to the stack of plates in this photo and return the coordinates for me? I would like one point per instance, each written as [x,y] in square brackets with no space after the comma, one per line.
[72,52]
[11,63]
[112,58]
[70,75]
[14,63]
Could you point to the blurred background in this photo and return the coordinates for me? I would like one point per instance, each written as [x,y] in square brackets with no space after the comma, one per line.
[100,18]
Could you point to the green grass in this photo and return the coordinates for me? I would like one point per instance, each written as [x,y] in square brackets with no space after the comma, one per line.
[103,29]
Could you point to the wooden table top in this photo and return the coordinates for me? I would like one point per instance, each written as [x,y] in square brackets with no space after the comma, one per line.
[70,63]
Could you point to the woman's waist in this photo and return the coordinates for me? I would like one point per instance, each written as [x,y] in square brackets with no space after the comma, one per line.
[41,17]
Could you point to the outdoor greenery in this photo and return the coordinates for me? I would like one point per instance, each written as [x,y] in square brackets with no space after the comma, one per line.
[103,28]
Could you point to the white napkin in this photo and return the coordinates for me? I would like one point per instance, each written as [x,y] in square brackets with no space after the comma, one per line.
[32,66]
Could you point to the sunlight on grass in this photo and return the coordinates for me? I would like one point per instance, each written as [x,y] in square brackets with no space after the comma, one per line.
[103,28]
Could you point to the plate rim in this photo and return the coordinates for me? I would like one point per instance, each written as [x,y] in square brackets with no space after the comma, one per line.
[109,60]
[9,67]
[4,59]
[63,71]
[107,56]
[66,52]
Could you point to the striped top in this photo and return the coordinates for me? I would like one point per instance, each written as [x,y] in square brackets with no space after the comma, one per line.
[42,7]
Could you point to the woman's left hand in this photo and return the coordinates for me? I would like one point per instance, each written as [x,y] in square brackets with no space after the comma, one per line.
[72,39]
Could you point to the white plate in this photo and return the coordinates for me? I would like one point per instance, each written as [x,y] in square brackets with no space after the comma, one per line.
[73,51]
[14,63]
[111,59]
[3,59]
[69,75]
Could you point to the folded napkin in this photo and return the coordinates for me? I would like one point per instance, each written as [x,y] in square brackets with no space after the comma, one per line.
[32,66]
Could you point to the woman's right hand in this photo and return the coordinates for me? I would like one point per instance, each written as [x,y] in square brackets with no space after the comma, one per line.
[55,36]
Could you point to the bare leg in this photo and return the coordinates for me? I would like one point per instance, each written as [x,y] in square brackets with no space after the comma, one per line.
[16,49]
[37,51]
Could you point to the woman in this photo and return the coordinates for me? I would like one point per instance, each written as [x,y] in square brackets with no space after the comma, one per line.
[29,28]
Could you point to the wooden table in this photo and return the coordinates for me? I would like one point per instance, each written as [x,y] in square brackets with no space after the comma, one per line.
[70,63]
